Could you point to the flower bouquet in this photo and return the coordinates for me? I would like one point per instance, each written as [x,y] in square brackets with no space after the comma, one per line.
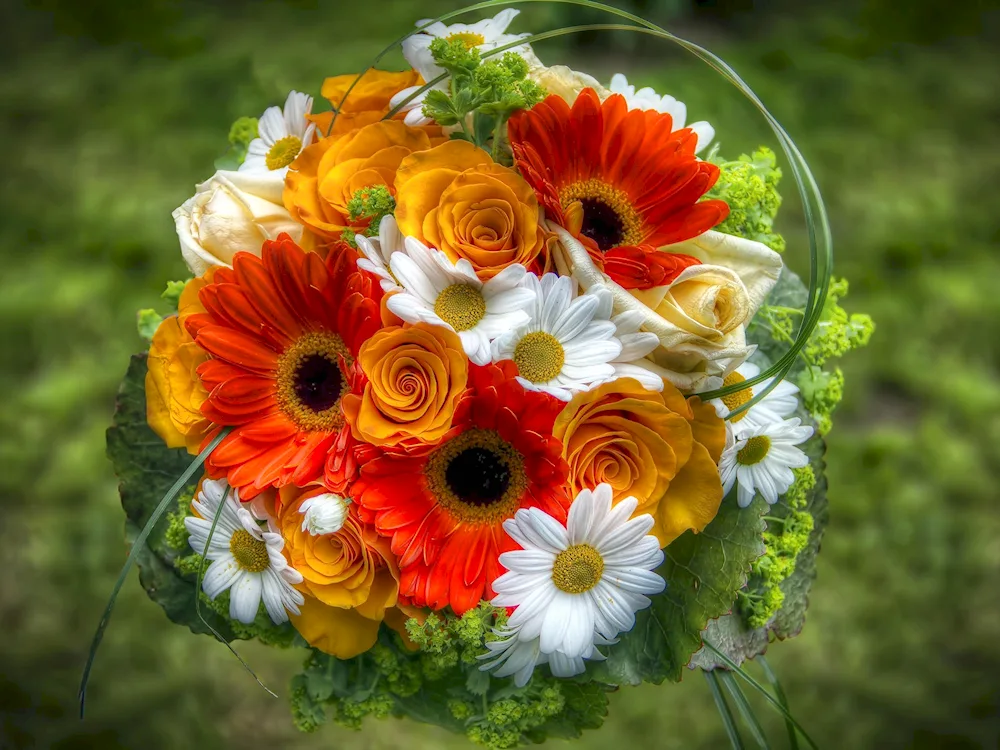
[500,392]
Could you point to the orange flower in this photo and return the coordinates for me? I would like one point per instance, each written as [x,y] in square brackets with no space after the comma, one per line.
[327,174]
[174,393]
[622,181]
[455,198]
[415,377]
[283,331]
[368,101]
[657,447]
[349,575]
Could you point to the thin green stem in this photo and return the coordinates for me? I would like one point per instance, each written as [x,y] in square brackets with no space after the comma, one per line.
[793,739]
[745,709]
[728,720]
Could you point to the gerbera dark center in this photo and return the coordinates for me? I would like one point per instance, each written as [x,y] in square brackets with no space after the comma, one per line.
[310,381]
[318,382]
[601,224]
[478,476]
[609,218]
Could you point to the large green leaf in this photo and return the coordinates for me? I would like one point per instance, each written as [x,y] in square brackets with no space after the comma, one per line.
[146,469]
[703,573]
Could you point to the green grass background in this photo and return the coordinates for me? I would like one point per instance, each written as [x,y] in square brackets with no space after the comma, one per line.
[112,111]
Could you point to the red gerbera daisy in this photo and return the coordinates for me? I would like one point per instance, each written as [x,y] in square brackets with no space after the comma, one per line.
[444,508]
[283,331]
[622,181]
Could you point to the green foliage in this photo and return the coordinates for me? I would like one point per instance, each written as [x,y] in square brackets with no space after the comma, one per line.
[147,321]
[490,91]
[372,203]
[242,131]
[441,683]
[172,294]
[750,186]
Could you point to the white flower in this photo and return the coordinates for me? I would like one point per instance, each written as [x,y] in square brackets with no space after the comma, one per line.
[761,460]
[229,213]
[282,134]
[484,35]
[245,559]
[646,98]
[510,655]
[377,252]
[636,344]
[774,407]
[589,577]
[565,346]
[324,514]
[441,293]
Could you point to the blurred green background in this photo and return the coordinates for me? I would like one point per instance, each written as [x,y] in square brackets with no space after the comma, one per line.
[113,110]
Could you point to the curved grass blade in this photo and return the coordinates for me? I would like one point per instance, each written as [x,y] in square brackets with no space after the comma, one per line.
[817,223]
[793,738]
[745,709]
[728,720]
[137,545]
[763,691]
[197,595]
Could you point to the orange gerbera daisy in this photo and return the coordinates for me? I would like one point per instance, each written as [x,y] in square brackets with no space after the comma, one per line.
[444,507]
[622,181]
[283,331]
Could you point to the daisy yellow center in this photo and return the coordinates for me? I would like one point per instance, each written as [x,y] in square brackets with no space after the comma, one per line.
[577,569]
[461,306]
[310,381]
[478,477]
[735,400]
[609,218]
[249,552]
[539,357]
[283,152]
[469,38]
[754,451]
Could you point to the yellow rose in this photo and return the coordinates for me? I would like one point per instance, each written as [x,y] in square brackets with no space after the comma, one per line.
[174,393]
[327,174]
[657,447]
[349,575]
[229,213]
[416,376]
[367,102]
[455,198]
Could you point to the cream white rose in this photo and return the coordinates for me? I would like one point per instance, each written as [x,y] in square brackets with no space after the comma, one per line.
[562,81]
[230,212]
[701,317]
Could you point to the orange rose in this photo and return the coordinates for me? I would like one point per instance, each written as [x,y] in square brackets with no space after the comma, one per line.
[455,198]
[174,393]
[349,576]
[368,101]
[657,447]
[327,174]
[416,376]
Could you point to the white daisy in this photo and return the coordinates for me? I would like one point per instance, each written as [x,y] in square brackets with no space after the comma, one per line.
[324,514]
[509,655]
[636,344]
[761,460]
[570,583]
[646,98]
[443,293]
[484,35]
[282,134]
[245,559]
[774,407]
[377,251]
[566,346]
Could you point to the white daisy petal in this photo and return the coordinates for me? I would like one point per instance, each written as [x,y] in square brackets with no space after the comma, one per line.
[244,597]
[647,99]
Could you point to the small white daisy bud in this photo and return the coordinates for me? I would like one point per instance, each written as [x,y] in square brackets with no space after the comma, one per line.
[324,514]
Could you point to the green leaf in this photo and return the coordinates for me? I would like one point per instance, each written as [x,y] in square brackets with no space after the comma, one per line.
[147,321]
[146,469]
[703,573]
[477,682]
